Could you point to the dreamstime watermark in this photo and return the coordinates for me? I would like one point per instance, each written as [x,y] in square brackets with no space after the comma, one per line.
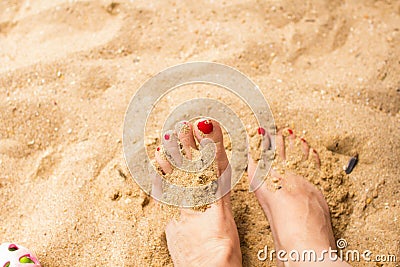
[165,82]
[339,254]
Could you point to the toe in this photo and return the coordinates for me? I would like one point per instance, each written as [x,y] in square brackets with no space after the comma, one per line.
[290,141]
[156,186]
[280,145]
[171,148]
[305,148]
[206,130]
[254,181]
[266,138]
[251,169]
[290,134]
[184,130]
[315,157]
[163,161]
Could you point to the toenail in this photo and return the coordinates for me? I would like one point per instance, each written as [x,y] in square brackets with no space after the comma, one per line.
[315,151]
[290,131]
[158,148]
[166,137]
[261,131]
[303,140]
[205,126]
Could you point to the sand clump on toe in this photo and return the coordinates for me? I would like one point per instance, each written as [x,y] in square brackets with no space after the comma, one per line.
[183,177]
[199,171]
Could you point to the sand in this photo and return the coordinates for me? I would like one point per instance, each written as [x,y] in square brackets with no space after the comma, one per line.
[329,69]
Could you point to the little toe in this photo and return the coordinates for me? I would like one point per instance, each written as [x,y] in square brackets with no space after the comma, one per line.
[171,148]
[163,161]
[156,186]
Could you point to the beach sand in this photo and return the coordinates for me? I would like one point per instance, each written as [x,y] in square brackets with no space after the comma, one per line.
[329,69]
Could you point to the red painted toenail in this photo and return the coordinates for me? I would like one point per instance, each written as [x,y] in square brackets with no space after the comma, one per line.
[166,137]
[205,126]
[315,151]
[158,148]
[290,131]
[302,139]
[261,131]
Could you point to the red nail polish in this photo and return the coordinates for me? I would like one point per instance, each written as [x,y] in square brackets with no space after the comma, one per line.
[158,148]
[166,137]
[261,131]
[290,131]
[185,122]
[205,126]
[315,151]
[302,139]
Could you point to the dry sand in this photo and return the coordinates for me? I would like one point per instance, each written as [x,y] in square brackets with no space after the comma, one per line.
[329,69]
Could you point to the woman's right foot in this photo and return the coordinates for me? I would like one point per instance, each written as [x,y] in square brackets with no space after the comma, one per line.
[208,237]
[297,211]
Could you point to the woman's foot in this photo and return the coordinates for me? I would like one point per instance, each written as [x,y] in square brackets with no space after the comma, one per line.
[201,238]
[297,212]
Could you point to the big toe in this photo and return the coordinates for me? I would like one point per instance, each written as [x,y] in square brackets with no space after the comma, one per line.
[206,131]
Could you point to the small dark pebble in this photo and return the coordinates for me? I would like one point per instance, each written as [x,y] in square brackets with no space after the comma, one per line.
[352,163]
[145,201]
[122,174]
[116,196]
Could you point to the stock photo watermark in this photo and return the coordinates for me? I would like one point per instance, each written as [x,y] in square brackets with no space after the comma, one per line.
[339,254]
[151,92]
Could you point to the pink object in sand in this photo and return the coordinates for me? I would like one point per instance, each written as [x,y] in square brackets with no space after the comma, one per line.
[13,255]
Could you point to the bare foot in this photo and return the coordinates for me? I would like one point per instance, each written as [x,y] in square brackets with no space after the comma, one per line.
[202,238]
[297,212]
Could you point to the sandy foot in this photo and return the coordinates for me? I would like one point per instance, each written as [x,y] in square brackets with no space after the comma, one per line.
[201,238]
[297,212]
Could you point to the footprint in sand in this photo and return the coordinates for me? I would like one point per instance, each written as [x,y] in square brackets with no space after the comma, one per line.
[54,33]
